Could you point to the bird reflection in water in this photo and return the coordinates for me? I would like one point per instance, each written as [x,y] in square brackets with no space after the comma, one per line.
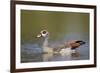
[60,57]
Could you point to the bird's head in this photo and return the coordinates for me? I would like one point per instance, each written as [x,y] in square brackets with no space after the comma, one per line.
[43,33]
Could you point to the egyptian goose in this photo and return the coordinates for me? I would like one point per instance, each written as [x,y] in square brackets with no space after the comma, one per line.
[66,48]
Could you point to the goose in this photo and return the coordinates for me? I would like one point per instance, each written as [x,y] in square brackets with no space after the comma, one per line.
[66,48]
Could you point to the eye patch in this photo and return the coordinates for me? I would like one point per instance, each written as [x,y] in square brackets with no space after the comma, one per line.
[44,32]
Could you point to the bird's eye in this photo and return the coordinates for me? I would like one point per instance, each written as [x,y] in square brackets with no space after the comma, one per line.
[44,32]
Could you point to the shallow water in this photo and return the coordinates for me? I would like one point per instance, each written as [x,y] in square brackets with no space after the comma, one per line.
[31,52]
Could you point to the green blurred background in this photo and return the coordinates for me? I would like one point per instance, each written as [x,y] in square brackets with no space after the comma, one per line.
[59,24]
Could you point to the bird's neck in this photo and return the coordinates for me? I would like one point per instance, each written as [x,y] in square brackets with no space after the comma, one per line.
[45,44]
